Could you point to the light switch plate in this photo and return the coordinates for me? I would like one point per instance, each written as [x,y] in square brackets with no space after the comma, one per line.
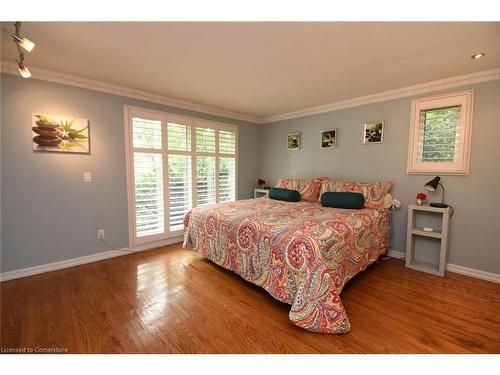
[87,177]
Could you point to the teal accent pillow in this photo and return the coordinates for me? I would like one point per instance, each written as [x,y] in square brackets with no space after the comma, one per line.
[284,194]
[343,200]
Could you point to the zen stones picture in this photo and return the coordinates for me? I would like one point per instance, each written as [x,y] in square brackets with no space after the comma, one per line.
[60,134]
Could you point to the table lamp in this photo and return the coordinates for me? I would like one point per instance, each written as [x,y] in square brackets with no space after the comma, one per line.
[432,185]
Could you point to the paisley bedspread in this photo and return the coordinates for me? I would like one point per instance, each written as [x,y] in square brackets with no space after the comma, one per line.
[301,253]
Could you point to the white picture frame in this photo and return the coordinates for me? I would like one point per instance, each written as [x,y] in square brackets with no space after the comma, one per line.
[373,132]
[293,141]
[329,139]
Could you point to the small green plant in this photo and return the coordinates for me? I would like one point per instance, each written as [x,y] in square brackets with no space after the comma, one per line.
[67,130]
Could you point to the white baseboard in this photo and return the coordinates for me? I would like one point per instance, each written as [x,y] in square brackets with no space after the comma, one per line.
[35,270]
[29,271]
[396,254]
[472,272]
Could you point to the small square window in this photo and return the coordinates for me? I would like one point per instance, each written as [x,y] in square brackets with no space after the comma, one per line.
[440,134]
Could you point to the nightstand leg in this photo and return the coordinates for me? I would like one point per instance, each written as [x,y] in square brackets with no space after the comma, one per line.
[444,245]
[409,238]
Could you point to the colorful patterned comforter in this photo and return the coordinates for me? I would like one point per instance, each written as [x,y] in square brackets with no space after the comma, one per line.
[301,253]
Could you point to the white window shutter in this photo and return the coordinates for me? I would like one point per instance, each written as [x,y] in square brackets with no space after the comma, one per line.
[146,133]
[227,142]
[148,177]
[205,180]
[227,179]
[205,140]
[439,135]
[179,137]
[173,164]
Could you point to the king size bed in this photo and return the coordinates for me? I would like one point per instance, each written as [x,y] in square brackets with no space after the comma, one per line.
[300,252]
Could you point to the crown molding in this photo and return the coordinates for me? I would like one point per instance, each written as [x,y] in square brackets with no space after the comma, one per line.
[423,88]
[109,88]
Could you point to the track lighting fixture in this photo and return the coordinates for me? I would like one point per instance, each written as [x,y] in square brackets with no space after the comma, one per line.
[23,43]
[27,44]
[25,72]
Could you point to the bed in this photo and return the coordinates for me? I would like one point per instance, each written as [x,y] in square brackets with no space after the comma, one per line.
[301,253]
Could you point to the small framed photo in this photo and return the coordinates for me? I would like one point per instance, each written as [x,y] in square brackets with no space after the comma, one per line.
[329,138]
[293,141]
[374,132]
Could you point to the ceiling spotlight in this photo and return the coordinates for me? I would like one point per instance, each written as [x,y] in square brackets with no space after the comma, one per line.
[27,44]
[477,56]
[25,73]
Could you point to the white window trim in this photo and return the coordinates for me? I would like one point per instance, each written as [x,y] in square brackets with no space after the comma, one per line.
[461,167]
[131,111]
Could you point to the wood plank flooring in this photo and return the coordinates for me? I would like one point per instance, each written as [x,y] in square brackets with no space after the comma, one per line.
[173,301]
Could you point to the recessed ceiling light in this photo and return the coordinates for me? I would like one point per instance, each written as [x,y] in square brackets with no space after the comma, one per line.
[477,56]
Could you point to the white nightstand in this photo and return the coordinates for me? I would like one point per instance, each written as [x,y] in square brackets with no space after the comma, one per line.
[440,233]
[257,192]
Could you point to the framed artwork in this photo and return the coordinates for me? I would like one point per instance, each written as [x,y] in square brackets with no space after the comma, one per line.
[60,134]
[374,132]
[329,138]
[293,141]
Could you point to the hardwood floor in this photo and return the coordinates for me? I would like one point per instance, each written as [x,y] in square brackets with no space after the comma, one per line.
[173,301]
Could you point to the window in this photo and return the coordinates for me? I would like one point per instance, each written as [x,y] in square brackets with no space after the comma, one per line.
[440,134]
[173,164]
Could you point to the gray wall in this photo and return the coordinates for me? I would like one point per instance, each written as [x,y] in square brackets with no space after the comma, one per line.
[47,213]
[475,227]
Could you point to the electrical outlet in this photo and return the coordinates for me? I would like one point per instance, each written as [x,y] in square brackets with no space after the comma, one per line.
[100,234]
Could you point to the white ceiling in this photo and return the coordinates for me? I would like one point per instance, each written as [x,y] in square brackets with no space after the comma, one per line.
[260,69]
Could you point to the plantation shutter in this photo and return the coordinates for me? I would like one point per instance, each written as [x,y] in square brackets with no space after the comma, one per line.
[179,137]
[175,163]
[227,179]
[439,135]
[227,142]
[180,189]
[205,180]
[205,166]
[148,177]
[205,140]
[227,166]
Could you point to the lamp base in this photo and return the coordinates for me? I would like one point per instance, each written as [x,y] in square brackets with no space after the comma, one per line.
[440,205]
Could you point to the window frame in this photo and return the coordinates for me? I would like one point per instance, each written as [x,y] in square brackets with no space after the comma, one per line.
[464,99]
[165,117]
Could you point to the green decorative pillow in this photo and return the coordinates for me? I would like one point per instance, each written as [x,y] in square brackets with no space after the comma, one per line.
[284,194]
[343,200]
